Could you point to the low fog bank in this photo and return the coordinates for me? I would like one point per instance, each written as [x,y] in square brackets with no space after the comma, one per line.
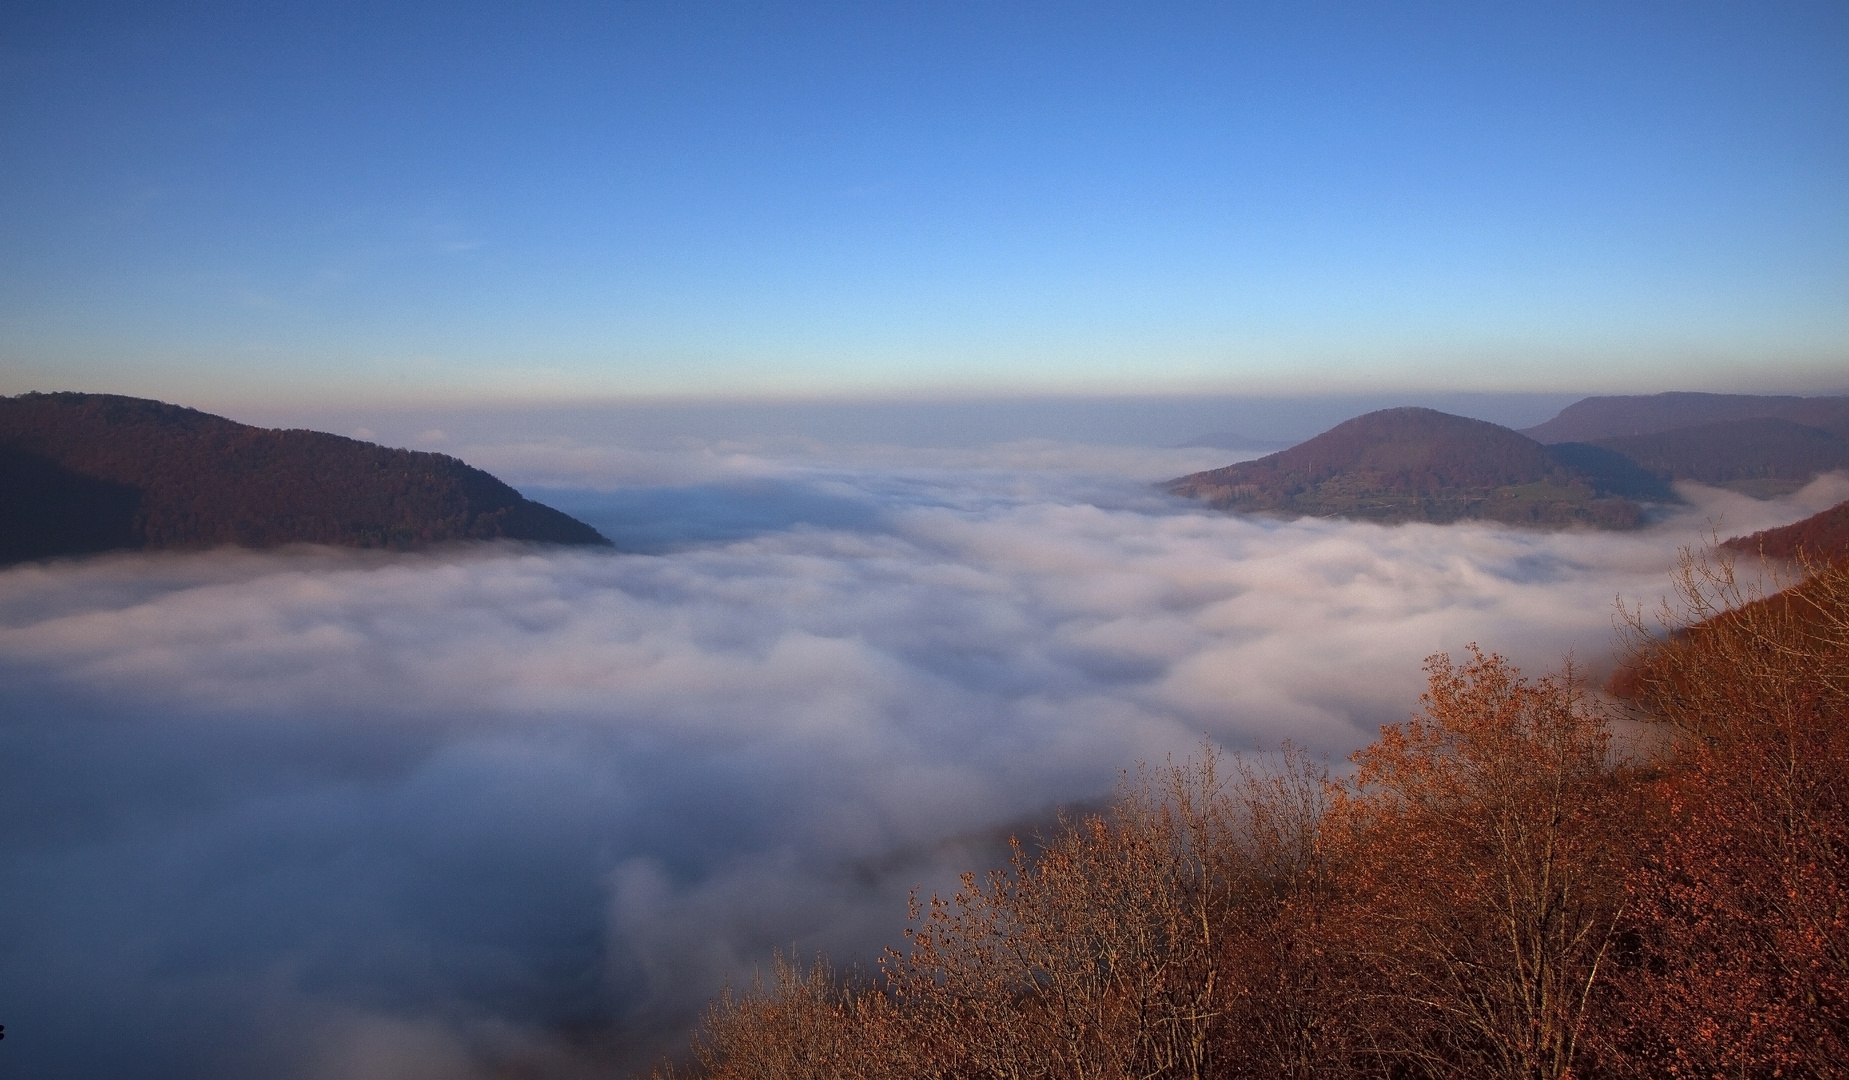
[332,814]
[974,421]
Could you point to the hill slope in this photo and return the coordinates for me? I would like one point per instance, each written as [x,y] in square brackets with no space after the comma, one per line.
[1423,465]
[1763,456]
[95,472]
[1597,418]
[1822,537]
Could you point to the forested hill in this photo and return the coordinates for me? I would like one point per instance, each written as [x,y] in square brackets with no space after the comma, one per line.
[1423,465]
[96,472]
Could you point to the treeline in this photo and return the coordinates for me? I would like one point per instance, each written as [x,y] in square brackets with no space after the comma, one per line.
[1499,890]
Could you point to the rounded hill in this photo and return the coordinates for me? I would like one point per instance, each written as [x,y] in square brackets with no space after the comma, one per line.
[1415,464]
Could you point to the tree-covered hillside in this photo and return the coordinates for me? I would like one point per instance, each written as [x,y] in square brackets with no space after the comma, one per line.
[1501,889]
[95,472]
[1822,537]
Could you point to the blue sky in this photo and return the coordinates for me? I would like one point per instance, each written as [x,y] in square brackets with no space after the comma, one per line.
[473,203]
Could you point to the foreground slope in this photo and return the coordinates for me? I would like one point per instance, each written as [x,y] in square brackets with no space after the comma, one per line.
[1422,465]
[95,472]
[1501,888]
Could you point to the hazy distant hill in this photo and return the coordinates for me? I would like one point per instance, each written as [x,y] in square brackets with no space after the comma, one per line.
[1823,537]
[1423,465]
[1598,418]
[1763,456]
[95,472]
[1228,440]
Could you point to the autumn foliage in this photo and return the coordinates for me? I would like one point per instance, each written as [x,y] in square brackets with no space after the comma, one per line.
[1497,890]
[1743,892]
[1484,893]
[1821,538]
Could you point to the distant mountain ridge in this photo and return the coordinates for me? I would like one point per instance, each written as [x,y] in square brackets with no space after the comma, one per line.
[1230,440]
[1597,418]
[1762,456]
[1415,464]
[96,472]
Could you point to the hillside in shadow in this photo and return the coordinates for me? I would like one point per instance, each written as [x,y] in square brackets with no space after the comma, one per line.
[1764,456]
[82,473]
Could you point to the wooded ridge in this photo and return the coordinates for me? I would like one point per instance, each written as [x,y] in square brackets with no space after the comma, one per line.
[1594,418]
[85,473]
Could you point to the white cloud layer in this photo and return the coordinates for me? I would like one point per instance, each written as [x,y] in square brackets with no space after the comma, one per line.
[322,814]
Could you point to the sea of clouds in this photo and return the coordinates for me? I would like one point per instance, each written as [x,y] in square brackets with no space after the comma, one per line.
[314,814]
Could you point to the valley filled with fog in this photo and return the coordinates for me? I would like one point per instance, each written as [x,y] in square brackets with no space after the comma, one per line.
[312,813]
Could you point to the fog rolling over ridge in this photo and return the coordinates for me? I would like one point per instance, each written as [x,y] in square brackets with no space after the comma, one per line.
[314,814]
